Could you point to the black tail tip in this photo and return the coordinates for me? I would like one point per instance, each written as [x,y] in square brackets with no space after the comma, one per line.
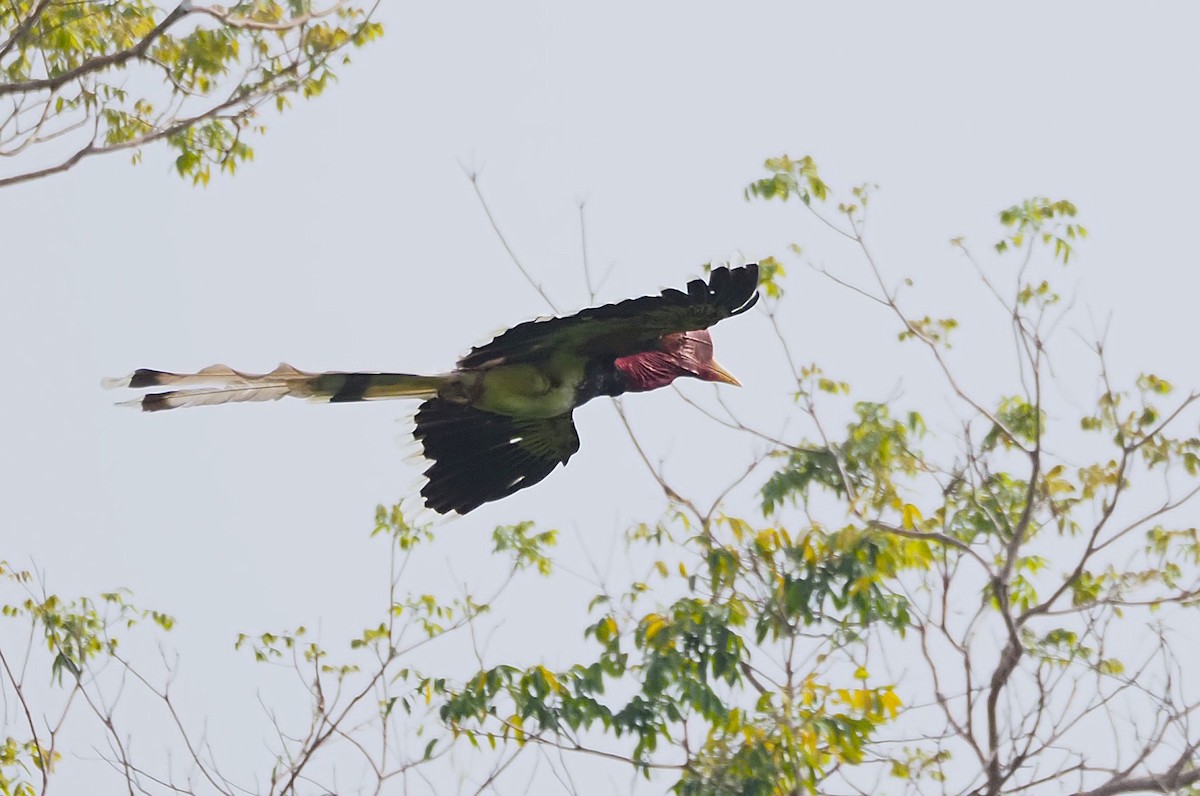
[155,401]
[144,377]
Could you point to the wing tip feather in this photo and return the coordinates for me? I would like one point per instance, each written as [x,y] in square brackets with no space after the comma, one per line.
[734,289]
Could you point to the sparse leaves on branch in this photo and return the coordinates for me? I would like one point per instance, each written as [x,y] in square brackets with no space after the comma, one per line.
[1044,546]
[986,594]
[80,78]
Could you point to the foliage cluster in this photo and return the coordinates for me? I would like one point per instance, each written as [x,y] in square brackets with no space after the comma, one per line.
[904,605]
[85,77]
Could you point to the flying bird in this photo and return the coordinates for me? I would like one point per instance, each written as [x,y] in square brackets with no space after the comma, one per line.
[501,420]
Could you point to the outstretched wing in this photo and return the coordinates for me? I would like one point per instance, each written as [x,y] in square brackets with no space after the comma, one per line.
[627,327]
[479,456]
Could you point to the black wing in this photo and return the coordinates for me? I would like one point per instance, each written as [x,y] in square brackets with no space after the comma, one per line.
[479,456]
[627,327]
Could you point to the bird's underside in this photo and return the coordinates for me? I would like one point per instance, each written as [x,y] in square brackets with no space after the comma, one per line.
[502,419]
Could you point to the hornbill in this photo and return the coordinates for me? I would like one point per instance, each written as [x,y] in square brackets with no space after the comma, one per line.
[501,420]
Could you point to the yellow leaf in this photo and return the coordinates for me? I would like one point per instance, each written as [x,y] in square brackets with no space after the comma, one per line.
[810,552]
[739,527]
[550,679]
[807,693]
[910,516]
[861,585]
[654,625]
[518,726]
[890,702]
[808,739]
[608,628]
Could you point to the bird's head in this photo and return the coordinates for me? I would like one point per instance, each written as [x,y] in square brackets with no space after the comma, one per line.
[682,354]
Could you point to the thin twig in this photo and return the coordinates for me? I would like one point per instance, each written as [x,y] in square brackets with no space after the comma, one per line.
[473,176]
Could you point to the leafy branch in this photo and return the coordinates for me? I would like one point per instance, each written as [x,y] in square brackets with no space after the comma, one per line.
[201,74]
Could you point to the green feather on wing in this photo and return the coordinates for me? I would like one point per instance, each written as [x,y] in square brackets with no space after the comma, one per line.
[626,327]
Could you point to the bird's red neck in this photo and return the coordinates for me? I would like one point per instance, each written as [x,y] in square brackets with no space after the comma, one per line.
[681,354]
[649,370]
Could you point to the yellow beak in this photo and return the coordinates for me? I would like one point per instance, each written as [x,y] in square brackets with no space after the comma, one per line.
[717,373]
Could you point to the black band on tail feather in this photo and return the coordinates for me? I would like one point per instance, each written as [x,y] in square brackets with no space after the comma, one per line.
[353,388]
[145,377]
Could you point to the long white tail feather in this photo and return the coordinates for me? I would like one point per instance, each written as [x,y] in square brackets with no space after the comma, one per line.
[220,384]
[177,399]
[214,375]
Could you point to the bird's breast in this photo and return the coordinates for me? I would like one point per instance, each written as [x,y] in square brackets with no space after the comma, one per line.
[525,390]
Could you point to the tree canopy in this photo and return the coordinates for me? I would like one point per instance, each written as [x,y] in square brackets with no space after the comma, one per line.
[81,78]
[989,595]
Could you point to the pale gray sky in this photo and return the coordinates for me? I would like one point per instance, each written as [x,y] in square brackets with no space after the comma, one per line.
[354,241]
